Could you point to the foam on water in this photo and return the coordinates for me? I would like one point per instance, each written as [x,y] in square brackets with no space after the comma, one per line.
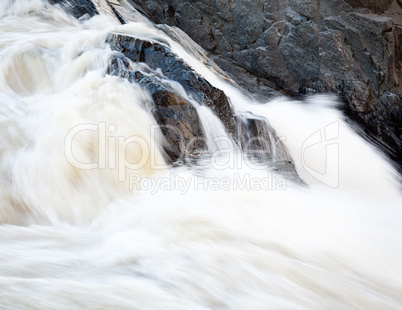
[198,237]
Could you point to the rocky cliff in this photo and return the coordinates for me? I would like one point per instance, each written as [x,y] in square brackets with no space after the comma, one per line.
[348,47]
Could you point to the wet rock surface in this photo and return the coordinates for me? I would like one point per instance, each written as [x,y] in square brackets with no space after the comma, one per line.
[300,47]
[159,56]
[77,8]
[259,141]
[178,120]
[177,117]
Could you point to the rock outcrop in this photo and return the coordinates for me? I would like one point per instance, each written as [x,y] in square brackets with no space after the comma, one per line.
[177,117]
[300,47]
[159,56]
[376,6]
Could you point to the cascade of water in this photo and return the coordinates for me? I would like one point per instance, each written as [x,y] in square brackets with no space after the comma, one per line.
[92,216]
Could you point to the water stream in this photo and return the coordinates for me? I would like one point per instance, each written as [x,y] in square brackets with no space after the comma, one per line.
[149,236]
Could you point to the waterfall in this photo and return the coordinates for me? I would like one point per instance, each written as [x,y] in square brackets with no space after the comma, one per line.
[98,210]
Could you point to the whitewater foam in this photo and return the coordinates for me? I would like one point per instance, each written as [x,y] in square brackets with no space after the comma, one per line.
[73,238]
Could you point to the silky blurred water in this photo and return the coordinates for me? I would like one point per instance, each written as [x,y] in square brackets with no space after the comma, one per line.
[210,236]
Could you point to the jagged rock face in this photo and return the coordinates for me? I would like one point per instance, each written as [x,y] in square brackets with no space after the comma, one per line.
[178,119]
[377,6]
[159,56]
[303,46]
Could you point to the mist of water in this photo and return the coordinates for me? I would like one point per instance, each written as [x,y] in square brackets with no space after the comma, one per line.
[198,237]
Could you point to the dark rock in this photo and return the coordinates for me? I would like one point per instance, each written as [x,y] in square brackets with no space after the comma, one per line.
[177,118]
[298,47]
[180,126]
[77,8]
[256,138]
[182,129]
[259,141]
[377,6]
[193,48]
[159,56]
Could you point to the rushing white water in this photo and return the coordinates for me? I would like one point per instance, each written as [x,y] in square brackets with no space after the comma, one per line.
[153,237]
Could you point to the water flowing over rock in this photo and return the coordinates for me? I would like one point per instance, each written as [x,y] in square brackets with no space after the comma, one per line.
[95,215]
[159,56]
[300,47]
[178,118]
[259,140]
[291,47]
